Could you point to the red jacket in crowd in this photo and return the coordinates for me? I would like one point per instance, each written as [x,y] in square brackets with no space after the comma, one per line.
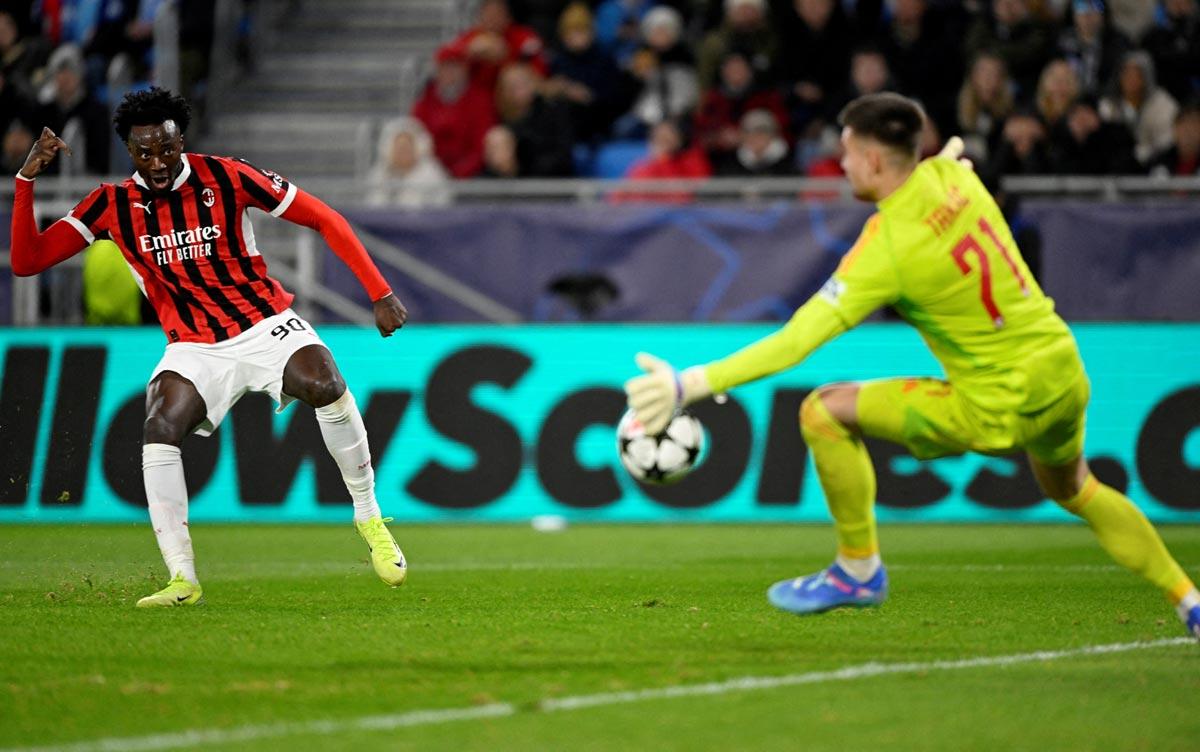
[524,45]
[457,127]
[718,111]
[689,163]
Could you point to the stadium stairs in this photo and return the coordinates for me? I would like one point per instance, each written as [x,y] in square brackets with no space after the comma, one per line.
[326,73]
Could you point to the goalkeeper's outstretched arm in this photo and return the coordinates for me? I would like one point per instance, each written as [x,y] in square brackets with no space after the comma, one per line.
[814,324]
[655,395]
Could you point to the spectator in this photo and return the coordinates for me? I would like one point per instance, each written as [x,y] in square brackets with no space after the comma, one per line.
[1143,106]
[495,41]
[406,173]
[985,100]
[815,61]
[539,15]
[1132,17]
[1023,149]
[119,31]
[1092,46]
[15,107]
[826,163]
[665,74]
[125,28]
[744,29]
[197,26]
[456,113]
[17,141]
[1183,157]
[1083,144]
[70,111]
[619,27]
[1011,31]
[500,153]
[923,56]
[1057,90]
[1175,47]
[20,56]
[718,129]
[584,77]
[542,126]
[761,151]
[869,74]
[670,158]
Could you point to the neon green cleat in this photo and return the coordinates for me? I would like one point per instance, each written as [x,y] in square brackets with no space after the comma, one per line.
[178,592]
[386,556]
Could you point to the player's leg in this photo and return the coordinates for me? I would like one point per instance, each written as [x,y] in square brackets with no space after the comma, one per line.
[1122,529]
[173,410]
[312,376]
[924,415]
[829,423]
[1055,450]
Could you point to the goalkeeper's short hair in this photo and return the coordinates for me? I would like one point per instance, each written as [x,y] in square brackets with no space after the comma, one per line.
[891,119]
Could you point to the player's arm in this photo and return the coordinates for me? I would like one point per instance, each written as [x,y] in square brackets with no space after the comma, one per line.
[655,395]
[309,211]
[33,251]
[865,280]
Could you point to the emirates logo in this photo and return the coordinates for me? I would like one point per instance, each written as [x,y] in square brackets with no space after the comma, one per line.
[208,197]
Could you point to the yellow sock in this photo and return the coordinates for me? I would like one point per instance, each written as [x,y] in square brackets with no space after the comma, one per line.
[1128,537]
[847,477]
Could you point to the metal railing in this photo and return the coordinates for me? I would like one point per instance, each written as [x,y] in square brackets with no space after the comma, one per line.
[295,254]
[355,191]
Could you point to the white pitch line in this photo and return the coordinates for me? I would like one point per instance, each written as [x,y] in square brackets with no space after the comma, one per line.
[199,737]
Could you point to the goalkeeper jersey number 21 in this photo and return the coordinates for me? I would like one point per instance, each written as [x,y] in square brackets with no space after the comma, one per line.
[940,251]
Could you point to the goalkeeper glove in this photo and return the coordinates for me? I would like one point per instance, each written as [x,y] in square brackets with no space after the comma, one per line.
[657,394]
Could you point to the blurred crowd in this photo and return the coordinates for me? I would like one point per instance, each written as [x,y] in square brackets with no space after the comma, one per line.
[64,64]
[690,88]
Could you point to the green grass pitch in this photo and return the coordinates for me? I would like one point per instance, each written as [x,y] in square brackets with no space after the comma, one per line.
[299,646]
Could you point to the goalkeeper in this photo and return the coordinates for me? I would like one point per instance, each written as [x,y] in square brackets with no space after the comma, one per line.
[939,250]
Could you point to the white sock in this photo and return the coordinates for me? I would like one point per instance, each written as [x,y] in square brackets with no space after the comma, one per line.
[346,439]
[1189,601]
[860,569]
[166,495]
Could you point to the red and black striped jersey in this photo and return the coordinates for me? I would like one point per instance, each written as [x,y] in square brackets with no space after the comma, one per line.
[192,250]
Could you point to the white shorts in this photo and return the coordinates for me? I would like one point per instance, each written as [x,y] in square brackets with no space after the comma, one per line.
[253,361]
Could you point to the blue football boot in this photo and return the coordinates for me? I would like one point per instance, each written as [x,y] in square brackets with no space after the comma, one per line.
[1190,617]
[831,588]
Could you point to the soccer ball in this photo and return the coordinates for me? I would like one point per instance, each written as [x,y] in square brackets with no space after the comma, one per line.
[661,459]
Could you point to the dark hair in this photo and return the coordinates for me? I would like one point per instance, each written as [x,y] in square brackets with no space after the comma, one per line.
[152,107]
[892,120]
[868,48]
[1187,108]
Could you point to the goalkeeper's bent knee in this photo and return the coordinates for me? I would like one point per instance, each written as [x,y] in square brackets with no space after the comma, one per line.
[817,422]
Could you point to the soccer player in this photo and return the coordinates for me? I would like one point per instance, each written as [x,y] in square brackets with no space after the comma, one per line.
[937,249]
[181,224]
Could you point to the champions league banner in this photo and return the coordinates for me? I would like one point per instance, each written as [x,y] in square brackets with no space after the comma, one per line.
[486,423]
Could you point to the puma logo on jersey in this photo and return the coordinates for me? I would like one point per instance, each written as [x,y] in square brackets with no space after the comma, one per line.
[139,205]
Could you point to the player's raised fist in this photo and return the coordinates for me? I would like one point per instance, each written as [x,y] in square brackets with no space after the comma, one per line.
[44,150]
[390,314]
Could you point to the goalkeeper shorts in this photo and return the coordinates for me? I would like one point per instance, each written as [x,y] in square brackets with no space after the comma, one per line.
[933,419]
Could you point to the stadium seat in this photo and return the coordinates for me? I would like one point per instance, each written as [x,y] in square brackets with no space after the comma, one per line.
[613,159]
